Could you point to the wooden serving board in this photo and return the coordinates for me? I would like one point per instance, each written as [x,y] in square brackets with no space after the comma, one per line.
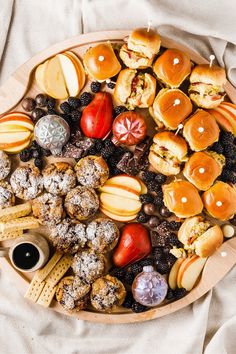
[21,84]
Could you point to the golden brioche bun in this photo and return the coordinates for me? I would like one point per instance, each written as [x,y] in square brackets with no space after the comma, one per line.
[182,198]
[208,239]
[172,74]
[203,73]
[98,69]
[134,60]
[167,111]
[145,42]
[124,85]
[220,201]
[202,169]
[199,140]
[174,143]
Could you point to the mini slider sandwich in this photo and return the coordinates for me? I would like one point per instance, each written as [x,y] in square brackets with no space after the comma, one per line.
[199,236]
[167,153]
[203,168]
[201,130]
[135,89]
[101,62]
[170,108]
[172,68]
[207,85]
[143,44]
[220,201]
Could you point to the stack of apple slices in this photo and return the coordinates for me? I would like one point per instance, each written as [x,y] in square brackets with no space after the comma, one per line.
[185,272]
[119,197]
[16,131]
[225,115]
[61,76]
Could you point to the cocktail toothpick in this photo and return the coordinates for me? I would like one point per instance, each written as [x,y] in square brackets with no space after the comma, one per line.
[212,58]
[180,126]
[176,61]
[149,25]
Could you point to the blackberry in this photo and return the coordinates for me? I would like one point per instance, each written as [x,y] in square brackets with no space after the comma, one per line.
[217,147]
[157,253]
[174,225]
[38,162]
[109,143]
[148,176]
[74,102]
[116,171]
[106,152]
[173,239]
[160,178]
[25,155]
[92,151]
[75,116]
[179,293]
[86,98]
[225,175]
[129,300]
[146,262]
[52,111]
[162,267]
[159,192]
[142,217]
[137,307]
[129,278]
[36,153]
[232,178]
[51,102]
[35,145]
[118,273]
[66,117]
[111,85]
[119,109]
[45,152]
[146,198]
[230,151]
[230,164]
[152,185]
[170,294]
[136,268]
[98,144]
[158,201]
[65,107]
[226,138]
[95,86]
[170,258]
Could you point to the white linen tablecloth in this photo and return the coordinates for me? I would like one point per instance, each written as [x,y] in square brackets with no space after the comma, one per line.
[207,326]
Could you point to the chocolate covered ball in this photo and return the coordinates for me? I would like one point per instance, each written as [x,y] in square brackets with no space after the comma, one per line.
[41,100]
[164,211]
[153,222]
[28,104]
[37,114]
[149,208]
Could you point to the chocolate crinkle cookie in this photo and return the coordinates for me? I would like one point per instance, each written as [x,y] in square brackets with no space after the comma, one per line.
[59,178]
[81,203]
[68,236]
[92,171]
[102,235]
[5,165]
[26,182]
[88,265]
[72,293]
[7,198]
[48,208]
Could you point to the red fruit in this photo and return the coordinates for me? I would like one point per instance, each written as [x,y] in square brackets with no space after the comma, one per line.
[134,244]
[96,120]
[129,128]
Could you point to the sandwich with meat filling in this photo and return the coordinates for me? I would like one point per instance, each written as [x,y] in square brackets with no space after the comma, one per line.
[135,89]
[207,85]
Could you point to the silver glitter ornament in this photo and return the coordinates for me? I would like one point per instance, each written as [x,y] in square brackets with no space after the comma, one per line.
[52,133]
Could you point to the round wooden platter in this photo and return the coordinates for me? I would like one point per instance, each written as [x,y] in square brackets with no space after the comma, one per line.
[22,83]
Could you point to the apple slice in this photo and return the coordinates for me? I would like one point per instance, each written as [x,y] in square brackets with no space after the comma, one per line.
[117,212]
[120,218]
[121,191]
[70,74]
[125,180]
[120,205]
[54,80]
[17,149]
[189,272]
[40,74]
[8,140]
[80,68]
[144,189]
[223,122]
[5,128]
[172,280]
[224,110]
[17,119]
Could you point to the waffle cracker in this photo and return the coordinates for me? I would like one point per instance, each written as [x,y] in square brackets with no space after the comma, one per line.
[59,270]
[9,236]
[15,212]
[46,295]
[34,290]
[41,274]
[28,222]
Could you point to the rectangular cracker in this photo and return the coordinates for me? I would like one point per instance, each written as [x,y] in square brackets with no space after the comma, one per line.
[8,236]
[34,290]
[41,274]
[46,295]
[26,223]
[15,212]
[59,270]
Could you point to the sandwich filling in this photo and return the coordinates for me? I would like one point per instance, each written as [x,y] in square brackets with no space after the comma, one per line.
[209,91]
[139,85]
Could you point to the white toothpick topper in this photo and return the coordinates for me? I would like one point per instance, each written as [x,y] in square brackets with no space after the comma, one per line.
[201,170]
[101,58]
[180,126]
[108,81]
[176,102]
[184,200]
[176,61]
[212,58]
[201,129]
[219,203]
[149,25]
